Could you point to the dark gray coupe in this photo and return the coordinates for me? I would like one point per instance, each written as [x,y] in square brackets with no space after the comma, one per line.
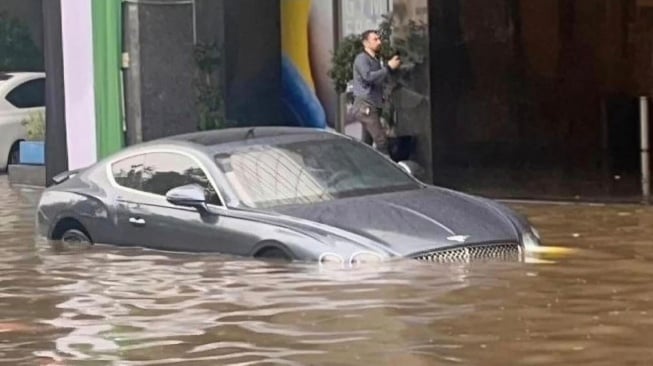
[275,192]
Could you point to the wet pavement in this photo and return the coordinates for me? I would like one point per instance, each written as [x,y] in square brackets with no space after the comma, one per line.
[108,306]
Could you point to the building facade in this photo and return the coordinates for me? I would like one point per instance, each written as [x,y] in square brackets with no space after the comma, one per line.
[514,98]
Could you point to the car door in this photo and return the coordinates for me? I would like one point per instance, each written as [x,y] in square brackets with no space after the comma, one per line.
[19,104]
[163,225]
[128,225]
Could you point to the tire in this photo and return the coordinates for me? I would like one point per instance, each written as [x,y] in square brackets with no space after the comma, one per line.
[75,237]
[274,254]
[14,154]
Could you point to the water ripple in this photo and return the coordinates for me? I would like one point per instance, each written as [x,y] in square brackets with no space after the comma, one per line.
[113,306]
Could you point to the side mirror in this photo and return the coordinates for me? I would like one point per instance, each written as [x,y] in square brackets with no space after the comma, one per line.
[190,195]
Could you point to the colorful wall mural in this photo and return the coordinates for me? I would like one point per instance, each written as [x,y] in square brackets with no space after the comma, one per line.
[307,38]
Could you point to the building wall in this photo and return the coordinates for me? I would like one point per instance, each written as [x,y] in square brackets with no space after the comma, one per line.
[161,92]
[530,98]
[308,29]
[25,52]
[411,99]
[253,62]
[307,40]
[30,12]
[535,91]
[166,70]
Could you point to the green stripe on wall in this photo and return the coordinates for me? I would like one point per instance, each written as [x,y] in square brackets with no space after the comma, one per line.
[107,53]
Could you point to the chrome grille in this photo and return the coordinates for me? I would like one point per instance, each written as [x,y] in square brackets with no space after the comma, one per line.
[473,252]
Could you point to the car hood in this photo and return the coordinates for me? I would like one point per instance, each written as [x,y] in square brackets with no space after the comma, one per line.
[413,221]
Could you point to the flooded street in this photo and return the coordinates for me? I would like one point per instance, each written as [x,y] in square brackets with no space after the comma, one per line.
[108,306]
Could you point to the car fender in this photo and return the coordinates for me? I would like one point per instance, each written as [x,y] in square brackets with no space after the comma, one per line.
[89,210]
[300,243]
[269,244]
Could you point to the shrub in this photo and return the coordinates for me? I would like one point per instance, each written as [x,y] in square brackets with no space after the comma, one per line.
[18,52]
[35,124]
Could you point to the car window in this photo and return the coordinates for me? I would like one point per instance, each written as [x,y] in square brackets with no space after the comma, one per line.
[30,94]
[128,172]
[303,172]
[165,171]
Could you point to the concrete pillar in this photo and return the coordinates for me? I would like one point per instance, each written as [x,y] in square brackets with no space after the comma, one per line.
[56,156]
[159,78]
[159,81]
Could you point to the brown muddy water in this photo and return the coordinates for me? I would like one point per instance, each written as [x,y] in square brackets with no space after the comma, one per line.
[108,306]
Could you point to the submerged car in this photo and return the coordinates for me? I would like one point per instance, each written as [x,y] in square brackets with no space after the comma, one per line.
[291,193]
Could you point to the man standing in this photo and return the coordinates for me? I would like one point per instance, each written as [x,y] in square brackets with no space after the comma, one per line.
[370,75]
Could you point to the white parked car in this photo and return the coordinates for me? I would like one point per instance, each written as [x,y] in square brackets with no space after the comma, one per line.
[21,93]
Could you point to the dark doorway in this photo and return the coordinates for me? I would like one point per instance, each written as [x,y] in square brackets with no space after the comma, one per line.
[539,98]
[623,143]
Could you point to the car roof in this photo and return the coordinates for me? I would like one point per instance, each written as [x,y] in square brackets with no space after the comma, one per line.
[225,140]
[215,138]
[9,75]
[8,79]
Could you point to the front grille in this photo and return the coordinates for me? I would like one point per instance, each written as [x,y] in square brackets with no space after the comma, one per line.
[473,252]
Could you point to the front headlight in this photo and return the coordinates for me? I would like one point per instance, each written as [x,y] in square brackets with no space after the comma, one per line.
[331,259]
[365,258]
[531,239]
[536,233]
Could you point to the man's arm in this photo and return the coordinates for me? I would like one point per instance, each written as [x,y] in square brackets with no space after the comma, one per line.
[362,67]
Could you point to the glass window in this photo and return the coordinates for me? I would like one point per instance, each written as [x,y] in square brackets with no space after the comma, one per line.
[165,171]
[128,172]
[30,94]
[309,171]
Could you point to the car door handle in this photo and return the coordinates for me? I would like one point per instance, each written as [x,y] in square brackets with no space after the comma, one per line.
[136,221]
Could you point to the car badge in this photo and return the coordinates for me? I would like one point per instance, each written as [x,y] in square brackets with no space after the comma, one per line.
[458,238]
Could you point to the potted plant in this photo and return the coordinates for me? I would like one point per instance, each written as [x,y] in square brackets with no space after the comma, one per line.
[32,151]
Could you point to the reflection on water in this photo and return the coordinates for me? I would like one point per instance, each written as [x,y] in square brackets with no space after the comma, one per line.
[136,307]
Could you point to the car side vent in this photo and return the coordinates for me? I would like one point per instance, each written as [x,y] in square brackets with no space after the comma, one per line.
[473,252]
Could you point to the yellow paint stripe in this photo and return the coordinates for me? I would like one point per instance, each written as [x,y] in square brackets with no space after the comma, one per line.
[550,250]
[294,35]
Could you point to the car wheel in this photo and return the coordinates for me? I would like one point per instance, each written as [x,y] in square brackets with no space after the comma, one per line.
[14,154]
[75,237]
[273,254]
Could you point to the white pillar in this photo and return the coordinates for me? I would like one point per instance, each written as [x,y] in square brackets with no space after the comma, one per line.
[79,83]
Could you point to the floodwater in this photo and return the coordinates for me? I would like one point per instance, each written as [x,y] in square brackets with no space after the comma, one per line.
[108,306]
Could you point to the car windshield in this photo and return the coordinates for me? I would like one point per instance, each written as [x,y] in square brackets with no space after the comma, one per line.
[303,172]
